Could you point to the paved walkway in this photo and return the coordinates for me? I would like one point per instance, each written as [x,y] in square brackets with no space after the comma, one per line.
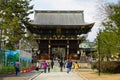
[20,76]
[54,74]
[58,76]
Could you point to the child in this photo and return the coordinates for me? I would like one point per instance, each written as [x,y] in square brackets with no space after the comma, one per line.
[48,67]
[76,66]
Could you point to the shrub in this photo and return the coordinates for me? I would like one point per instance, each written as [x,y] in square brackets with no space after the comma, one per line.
[110,66]
[94,65]
[6,69]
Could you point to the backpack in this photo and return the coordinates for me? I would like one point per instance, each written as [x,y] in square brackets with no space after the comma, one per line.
[17,64]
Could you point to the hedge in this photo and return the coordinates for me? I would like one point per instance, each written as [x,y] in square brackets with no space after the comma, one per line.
[110,66]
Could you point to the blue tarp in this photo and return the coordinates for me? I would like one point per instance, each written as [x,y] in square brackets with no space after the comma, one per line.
[9,52]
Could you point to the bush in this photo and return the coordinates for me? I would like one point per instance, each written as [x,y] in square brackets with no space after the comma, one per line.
[6,69]
[110,66]
[94,65]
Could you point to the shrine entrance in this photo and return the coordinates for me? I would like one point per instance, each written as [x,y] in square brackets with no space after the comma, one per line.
[62,49]
[58,33]
[59,53]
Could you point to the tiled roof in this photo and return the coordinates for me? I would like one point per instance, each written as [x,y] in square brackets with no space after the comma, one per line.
[58,18]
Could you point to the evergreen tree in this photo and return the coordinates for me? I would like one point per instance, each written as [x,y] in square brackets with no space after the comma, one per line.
[13,16]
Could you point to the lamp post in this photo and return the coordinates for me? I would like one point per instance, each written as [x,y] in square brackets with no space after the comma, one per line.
[38,52]
[49,50]
[33,55]
[78,52]
[99,53]
[67,51]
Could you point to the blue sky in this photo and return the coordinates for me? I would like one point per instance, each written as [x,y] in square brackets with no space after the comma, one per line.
[88,6]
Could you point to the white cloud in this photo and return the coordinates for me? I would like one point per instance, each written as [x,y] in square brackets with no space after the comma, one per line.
[92,35]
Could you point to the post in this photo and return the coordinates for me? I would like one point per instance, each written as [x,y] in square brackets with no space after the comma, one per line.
[67,53]
[1,40]
[99,53]
[49,49]
[4,54]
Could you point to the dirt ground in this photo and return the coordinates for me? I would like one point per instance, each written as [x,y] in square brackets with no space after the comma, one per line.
[94,76]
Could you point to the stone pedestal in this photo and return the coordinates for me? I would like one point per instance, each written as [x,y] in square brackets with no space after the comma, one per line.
[85,65]
[83,57]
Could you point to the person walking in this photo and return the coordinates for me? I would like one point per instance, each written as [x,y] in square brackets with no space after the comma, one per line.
[64,64]
[17,67]
[69,66]
[52,64]
[76,65]
[61,65]
[44,66]
[48,66]
[37,66]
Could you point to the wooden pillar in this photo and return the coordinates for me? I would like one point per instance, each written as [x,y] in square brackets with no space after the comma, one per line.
[37,52]
[78,51]
[68,49]
[49,49]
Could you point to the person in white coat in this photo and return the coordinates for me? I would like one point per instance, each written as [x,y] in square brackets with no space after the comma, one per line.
[37,66]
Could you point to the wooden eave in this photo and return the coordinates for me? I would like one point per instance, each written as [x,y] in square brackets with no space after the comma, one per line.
[33,27]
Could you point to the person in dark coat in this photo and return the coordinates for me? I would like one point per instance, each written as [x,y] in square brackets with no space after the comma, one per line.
[17,67]
[61,65]
[52,64]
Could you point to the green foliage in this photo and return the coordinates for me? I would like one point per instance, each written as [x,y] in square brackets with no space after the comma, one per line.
[14,15]
[110,66]
[25,63]
[6,69]
[94,55]
[108,42]
[10,46]
[115,17]
[1,56]
[16,56]
[110,36]
[11,59]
